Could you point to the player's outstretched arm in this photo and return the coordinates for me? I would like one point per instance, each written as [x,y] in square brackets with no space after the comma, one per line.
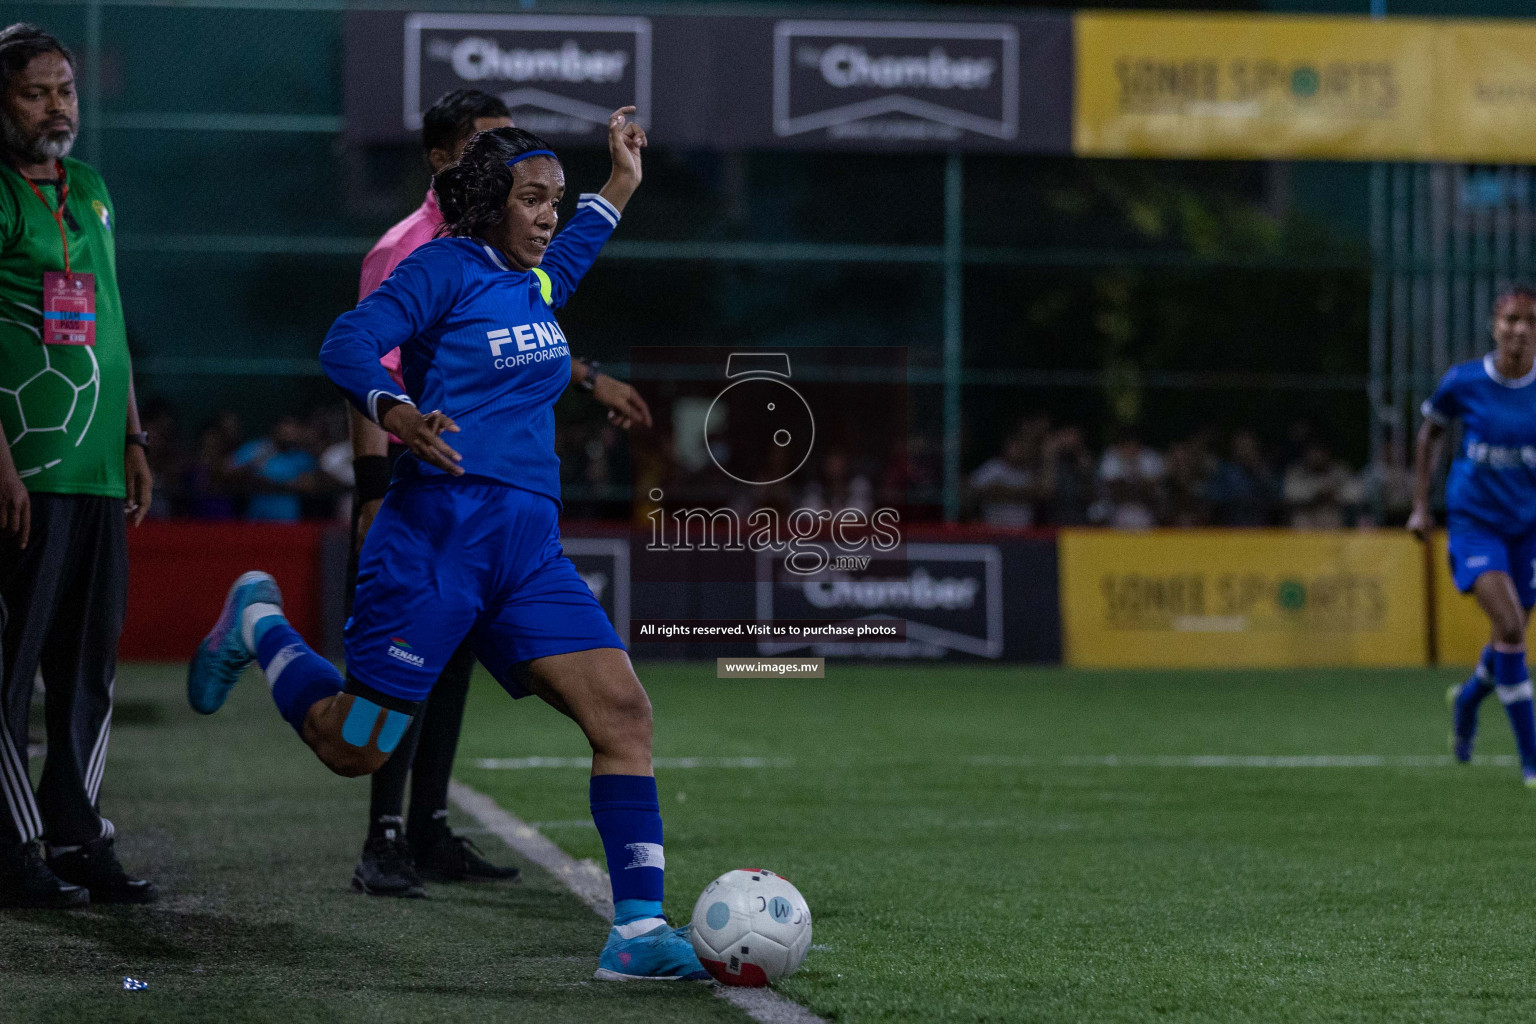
[573,251]
[625,141]
[1426,457]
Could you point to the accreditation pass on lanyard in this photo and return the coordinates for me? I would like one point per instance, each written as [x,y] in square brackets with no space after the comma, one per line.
[69,299]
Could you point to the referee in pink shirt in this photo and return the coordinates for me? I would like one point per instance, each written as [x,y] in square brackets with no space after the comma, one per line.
[401,851]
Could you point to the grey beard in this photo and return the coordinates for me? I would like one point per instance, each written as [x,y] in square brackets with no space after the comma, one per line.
[50,146]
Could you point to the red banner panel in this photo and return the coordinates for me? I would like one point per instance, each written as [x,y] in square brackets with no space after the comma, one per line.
[178,574]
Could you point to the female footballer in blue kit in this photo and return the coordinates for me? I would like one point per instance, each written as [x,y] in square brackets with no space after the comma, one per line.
[1490,501]
[467,543]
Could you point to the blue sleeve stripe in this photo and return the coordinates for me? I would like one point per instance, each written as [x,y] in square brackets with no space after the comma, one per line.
[1432,414]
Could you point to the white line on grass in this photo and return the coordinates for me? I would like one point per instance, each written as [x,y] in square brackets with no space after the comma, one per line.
[1237,761]
[590,883]
[518,763]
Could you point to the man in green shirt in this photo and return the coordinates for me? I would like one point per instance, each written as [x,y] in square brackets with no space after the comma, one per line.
[72,470]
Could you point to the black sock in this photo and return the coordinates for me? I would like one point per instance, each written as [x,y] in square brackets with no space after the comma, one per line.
[388,826]
[386,795]
[432,767]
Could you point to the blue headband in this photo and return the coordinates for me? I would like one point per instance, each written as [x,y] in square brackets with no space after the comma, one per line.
[532,152]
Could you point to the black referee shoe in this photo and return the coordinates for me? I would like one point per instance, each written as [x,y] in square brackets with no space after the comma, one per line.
[95,867]
[385,868]
[25,881]
[442,856]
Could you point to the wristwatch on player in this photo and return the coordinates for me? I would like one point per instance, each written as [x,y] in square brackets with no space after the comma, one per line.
[141,439]
[589,382]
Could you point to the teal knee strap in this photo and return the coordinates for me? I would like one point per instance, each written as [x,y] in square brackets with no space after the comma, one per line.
[359,724]
[394,727]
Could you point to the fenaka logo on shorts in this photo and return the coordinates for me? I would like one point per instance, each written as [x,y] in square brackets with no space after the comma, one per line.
[401,651]
[895,80]
[560,76]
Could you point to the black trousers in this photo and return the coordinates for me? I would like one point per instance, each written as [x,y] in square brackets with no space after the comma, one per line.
[424,755]
[62,601]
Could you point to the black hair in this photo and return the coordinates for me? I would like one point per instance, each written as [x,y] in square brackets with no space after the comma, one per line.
[453,117]
[1514,291]
[473,192]
[19,43]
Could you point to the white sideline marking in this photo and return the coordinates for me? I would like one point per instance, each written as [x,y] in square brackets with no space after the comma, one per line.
[1239,761]
[515,763]
[590,883]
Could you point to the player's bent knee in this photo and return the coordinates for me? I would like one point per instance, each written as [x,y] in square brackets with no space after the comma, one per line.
[354,732]
[351,762]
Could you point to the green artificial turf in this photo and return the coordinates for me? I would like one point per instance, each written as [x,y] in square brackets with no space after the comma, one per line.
[252,843]
[965,849]
[962,863]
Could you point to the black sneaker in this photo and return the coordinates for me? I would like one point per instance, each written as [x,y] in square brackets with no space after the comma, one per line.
[25,881]
[385,869]
[445,857]
[95,866]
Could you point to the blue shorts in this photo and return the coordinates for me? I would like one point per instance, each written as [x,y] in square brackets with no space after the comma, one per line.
[1475,549]
[448,559]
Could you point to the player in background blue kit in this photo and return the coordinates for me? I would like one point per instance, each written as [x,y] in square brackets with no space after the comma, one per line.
[1490,501]
[466,543]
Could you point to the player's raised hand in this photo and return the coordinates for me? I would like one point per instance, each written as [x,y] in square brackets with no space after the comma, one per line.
[625,406]
[625,141]
[423,436]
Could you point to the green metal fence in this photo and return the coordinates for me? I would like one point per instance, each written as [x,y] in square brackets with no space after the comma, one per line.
[1162,294]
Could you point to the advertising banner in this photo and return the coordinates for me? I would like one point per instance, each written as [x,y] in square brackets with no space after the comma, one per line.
[1461,628]
[976,81]
[1253,87]
[1259,598]
[1485,78]
[603,563]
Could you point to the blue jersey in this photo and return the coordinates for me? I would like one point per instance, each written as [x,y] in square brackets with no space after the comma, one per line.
[1493,478]
[478,340]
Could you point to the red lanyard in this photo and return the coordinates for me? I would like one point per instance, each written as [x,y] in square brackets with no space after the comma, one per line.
[58,214]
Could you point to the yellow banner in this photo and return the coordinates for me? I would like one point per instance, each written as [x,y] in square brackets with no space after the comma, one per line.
[1461,628]
[1253,598]
[1340,88]
[1486,92]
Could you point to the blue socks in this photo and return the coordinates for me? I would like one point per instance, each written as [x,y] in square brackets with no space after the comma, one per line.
[628,818]
[298,676]
[1513,684]
[1471,694]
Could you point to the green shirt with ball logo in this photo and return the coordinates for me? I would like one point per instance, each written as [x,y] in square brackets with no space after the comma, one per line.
[64,407]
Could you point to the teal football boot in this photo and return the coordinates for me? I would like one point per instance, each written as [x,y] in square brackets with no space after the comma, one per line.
[662,954]
[222,654]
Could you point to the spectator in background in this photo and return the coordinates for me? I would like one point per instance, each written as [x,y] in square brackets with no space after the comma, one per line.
[1320,491]
[1005,488]
[167,457]
[1188,469]
[277,471]
[1066,477]
[915,475]
[1242,489]
[205,481]
[331,497]
[1386,489]
[837,486]
[1130,484]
